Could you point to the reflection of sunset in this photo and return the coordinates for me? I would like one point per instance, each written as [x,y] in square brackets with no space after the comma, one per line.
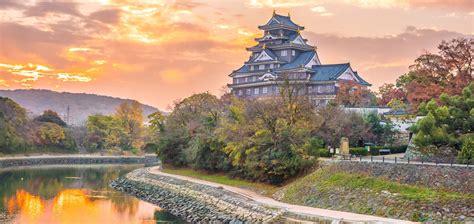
[30,207]
[75,206]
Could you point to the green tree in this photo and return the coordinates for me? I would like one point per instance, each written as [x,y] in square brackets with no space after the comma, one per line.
[51,117]
[14,126]
[446,122]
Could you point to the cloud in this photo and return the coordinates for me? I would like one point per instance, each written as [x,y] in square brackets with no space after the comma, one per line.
[321,10]
[111,16]
[10,4]
[43,8]
[379,59]
[464,5]
[279,3]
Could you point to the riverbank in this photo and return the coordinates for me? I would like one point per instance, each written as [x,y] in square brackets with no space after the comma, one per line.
[192,199]
[194,202]
[18,161]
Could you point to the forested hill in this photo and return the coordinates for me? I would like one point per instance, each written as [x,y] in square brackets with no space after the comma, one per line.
[81,104]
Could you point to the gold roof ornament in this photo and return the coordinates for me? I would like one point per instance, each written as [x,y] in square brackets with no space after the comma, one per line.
[264,46]
[289,15]
[274,12]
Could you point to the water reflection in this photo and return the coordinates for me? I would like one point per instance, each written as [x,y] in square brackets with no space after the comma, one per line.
[73,195]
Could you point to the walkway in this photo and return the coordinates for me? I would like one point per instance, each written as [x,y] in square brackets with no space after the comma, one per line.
[301,210]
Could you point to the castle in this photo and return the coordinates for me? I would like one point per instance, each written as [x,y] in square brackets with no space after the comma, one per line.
[283,54]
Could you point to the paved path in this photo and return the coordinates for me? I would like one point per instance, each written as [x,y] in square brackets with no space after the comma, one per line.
[304,210]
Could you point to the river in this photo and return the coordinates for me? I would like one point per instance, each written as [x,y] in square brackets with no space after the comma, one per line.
[73,194]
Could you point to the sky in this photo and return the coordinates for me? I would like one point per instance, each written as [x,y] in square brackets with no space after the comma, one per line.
[160,51]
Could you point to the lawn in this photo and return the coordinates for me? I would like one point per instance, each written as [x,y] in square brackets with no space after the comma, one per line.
[262,188]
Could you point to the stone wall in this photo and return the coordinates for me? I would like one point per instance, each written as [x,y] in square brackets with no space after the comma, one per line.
[77,159]
[195,203]
[455,178]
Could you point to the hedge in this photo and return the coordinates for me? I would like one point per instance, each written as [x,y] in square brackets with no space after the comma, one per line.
[358,151]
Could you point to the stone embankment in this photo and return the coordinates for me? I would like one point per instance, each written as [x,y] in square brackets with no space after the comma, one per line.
[195,203]
[76,159]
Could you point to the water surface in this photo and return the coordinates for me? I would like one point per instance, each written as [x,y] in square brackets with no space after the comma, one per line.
[73,194]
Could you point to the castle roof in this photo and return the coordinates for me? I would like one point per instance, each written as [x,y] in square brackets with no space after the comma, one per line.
[280,20]
[302,59]
[328,72]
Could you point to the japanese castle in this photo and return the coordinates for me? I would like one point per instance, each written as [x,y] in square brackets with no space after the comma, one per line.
[283,52]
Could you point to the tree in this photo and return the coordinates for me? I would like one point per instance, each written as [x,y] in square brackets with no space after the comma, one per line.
[352,94]
[103,132]
[14,127]
[51,117]
[130,117]
[338,123]
[449,72]
[187,137]
[389,92]
[51,134]
[269,140]
[448,120]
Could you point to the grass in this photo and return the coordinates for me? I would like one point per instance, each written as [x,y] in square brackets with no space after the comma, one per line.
[265,189]
[325,180]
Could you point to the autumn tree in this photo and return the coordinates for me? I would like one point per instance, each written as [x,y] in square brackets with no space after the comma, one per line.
[388,92]
[449,72]
[129,114]
[187,137]
[103,132]
[350,93]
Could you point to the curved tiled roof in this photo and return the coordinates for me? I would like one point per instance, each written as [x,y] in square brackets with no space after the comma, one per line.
[302,59]
[269,53]
[362,81]
[328,72]
[284,20]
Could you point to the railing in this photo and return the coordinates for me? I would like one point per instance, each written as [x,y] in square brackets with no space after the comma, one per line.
[401,160]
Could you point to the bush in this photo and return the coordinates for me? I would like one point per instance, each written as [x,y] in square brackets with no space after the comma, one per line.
[358,151]
[320,152]
[374,150]
[150,148]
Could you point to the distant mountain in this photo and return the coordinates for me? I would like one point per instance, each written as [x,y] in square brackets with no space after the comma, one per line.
[81,105]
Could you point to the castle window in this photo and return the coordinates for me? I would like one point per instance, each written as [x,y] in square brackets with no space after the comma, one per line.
[249,91]
[293,52]
[246,79]
[251,68]
[239,92]
[254,78]
[271,66]
[237,81]
[310,89]
[320,89]
[261,67]
[328,88]
[264,90]
[255,91]
[283,53]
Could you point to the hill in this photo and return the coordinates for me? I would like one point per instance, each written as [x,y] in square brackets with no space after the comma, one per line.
[81,105]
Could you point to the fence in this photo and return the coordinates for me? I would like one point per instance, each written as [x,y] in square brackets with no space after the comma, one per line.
[401,160]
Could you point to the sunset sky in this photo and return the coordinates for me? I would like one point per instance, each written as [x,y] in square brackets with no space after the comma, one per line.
[158,51]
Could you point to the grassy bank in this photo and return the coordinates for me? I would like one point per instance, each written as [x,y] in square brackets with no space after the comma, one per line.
[359,193]
[261,188]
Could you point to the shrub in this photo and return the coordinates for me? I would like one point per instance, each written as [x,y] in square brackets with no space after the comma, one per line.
[358,151]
